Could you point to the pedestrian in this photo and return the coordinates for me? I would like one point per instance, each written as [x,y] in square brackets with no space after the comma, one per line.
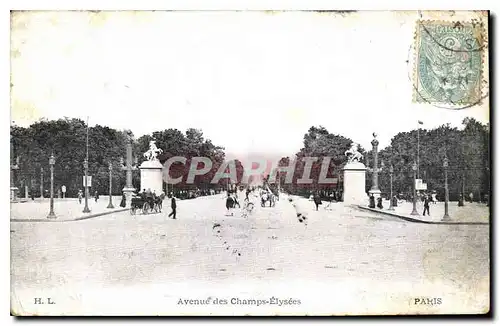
[236,202]
[96,196]
[461,200]
[229,203]
[426,206]
[173,206]
[123,203]
[372,201]
[317,200]
[471,197]
[379,202]
[394,201]
[80,195]
[434,198]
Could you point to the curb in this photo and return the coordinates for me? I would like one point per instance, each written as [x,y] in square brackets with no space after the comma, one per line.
[415,220]
[85,217]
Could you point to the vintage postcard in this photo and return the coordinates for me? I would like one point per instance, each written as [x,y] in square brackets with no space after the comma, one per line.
[249,163]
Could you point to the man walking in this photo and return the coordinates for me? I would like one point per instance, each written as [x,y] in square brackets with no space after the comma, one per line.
[123,202]
[379,203]
[426,205]
[235,198]
[173,205]
[372,201]
[317,200]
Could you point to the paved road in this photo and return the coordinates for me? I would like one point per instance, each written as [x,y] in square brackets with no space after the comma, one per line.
[343,261]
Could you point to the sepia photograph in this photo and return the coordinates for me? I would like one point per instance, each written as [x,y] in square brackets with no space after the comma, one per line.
[249,163]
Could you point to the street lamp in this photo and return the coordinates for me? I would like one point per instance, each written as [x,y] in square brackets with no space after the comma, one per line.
[41,183]
[52,161]
[13,188]
[86,167]
[391,172]
[446,217]
[414,167]
[110,168]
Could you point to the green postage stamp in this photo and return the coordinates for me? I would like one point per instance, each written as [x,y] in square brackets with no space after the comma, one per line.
[448,65]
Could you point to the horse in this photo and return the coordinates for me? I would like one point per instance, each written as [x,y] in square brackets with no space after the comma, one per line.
[158,201]
[267,197]
[153,151]
[352,153]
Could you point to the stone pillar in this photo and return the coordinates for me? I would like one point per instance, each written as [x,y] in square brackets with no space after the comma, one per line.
[152,176]
[375,191]
[354,184]
[128,167]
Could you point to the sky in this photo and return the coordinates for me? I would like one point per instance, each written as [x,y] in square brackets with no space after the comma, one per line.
[254,82]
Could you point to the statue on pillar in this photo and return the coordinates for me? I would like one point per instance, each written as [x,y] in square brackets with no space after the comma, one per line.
[354,177]
[152,169]
[353,155]
[152,153]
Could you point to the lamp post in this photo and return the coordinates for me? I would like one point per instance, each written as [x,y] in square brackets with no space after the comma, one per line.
[32,187]
[86,167]
[418,151]
[414,167]
[26,194]
[461,201]
[110,168]
[489,186]
[446,217]
[52,161]
[13,188]
[41,183]
[391,172]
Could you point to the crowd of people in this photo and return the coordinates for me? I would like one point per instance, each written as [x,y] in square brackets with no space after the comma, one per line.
[265,194]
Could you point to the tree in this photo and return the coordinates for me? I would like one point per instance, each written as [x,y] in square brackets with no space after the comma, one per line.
[320,143]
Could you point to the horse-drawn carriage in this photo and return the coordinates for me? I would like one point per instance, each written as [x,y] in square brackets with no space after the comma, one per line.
[146,204]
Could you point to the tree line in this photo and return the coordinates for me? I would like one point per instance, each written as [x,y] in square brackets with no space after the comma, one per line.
[467,151]
[66,139]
